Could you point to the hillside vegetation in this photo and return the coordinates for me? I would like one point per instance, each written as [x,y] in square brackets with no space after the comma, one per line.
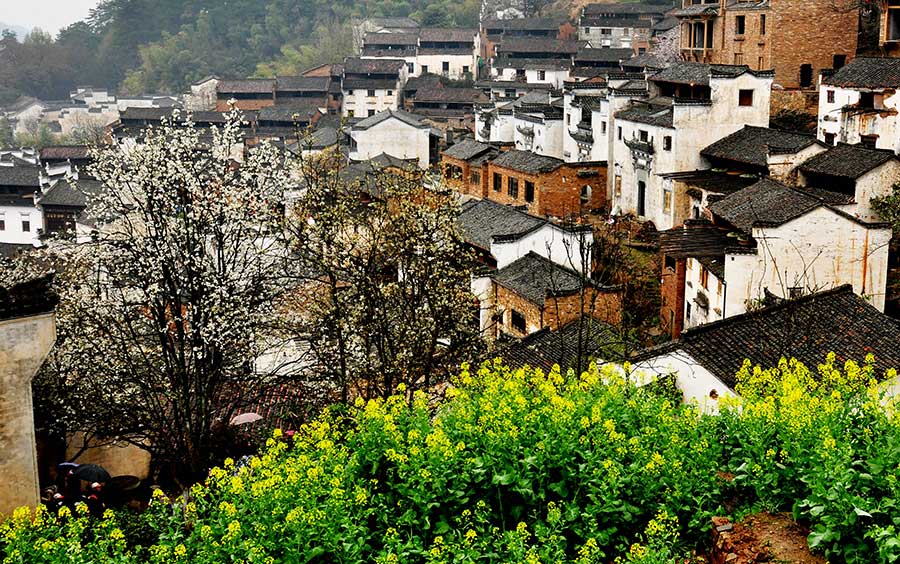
[519,466]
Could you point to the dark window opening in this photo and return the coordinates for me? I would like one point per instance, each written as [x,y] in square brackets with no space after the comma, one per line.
[670,262]
[644,136]
[476,177]
[512,187]
[26,226]
[641,197]
[518,322]
[893,23]
[762,24]
[829,139]
[806,76]
[867,100]
[868,141]
[619,133]
[739,24]
[542,75]
[830,96]
[424,69]
[529,191]
[498,181]
[445,66]
[667,143]
[838,62]
[745,98]
[371,113]
[370,93]
[586,195]
[2,225]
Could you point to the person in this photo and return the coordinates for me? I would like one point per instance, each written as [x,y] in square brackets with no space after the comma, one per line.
[94,500]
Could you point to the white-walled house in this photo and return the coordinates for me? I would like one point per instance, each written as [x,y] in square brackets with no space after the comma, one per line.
[859,104]
[20,218]
[799,242]
[495,122]
[539,128]
[706,359]
[369,86]
[691,105]
[586,110]
[396,133]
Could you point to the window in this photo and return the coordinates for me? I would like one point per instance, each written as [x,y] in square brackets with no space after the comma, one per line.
[371,113]
[739,58]
[529,191]
[349,113]
[867,100]
[667,143]
[26,226]
[498,181]
[739,24]
[704,277]
[806,76]
[603,127]
[618,186]
[370,93]
[830,95]
[745,97]
[641,198]
[390,93]
[424,69]
[586,192]
[762,24]
[542,75]
[512,187]
[586,30]
[445,66]
[642,50]
[349,93]
[518,322]
[2,225]
[643,135]
[795,292]
[667,201]
[893,22]
[619,133]
[475,177]
[670,263]
[829,139]
[838,61]
[688,304]
[411,67]
[568,119]
[465,69]
[605,32]
[868,141]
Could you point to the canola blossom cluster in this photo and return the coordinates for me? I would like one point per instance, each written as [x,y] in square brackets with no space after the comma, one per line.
[523,466]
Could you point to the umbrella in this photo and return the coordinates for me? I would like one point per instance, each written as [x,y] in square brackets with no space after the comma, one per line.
[244,418]
[91,473]
[63,467]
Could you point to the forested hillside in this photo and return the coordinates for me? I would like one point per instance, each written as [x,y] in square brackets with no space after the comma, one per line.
[146,46]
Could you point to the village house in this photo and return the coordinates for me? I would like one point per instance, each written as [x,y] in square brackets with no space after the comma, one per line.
[535,60]
[61,205]
[859,104]
[619,25]
[768,240]
[495,122]
[463,166]
[574,345]
[706,359]
[397,133]
[447,52]
[381,25]
[246,94]
[539,128]
[446,103]
[399,45]
[203,96]
[27,334]
[586,111]
[690,105]
[795,38]
[546,186]
[493,31]
[20,219]
[369,86]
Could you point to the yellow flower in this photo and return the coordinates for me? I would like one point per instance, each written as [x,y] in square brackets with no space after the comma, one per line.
[180,551]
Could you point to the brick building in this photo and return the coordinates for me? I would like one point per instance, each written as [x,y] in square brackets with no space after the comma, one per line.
[546,186]
[795,38]
[462,166]
[248,94]
[619,25]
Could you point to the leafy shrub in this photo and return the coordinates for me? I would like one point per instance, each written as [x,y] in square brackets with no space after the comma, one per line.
[519,466]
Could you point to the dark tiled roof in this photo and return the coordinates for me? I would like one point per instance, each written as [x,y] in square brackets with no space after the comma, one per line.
[355,65]
[696,238]
[847,161]
[750,145]
[767,202]
[507,62]
[421,82]
[64,194]
[374,38]
[545,348]
[405,117]
[34,297]
[482,220]
[468,149]
[749,5]
[376,51]
[302,83]
[867,72]
[713,181]
[624,8]
[807,329]
[534,24]
[454,95]
[446,51]
[370,83]
[652,112]
[449,35]
[525,161]
[246,86]
[393,22]
[534,277]
[697,10]
[599,21]
[21,176]
[539,45]
[302,109]
[697,73]
[603,55]
[64,152]
[665,24]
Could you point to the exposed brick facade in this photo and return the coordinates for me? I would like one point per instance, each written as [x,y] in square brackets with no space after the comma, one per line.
[458,175]
[222,105]
[557,193]
[671,310]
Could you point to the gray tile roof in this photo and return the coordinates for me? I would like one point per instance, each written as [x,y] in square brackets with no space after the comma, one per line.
[302,83]
[370,84]
[807,329]
[468,149]
[697,73]
[652,112]
[405,117]
[605,54]
[543,24]
[375,38]
[696,238]
[526,161]
[302,108]
[64,152]
[545,348]
[534,278]
[355,65]
[26,299]
[452,95]
[539,45]
[751,144]
[749,5]
[380,52]
[482,220]
[449,35]
[847,161]
[624,8]
[867,72]
[246,86]
[65,194]
[697,10]
[21,176]
[528,63]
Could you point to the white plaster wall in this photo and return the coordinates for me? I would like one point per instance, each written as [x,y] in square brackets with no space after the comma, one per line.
[847,128]
[558,245]
[695,382]
[554,77]
[457,62]
[483,289]
[817,251]
[548,138]
[360,102]
[782,167]
[395,138]
[874,184]
[13,216]
[616,38]
[714,291]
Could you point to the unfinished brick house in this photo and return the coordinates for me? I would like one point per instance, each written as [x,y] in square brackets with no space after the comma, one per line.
[248,94]
[546,186]
[795,38]
[462,166]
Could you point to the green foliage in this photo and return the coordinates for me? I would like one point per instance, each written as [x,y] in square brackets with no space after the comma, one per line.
[519,466]
[888,208]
